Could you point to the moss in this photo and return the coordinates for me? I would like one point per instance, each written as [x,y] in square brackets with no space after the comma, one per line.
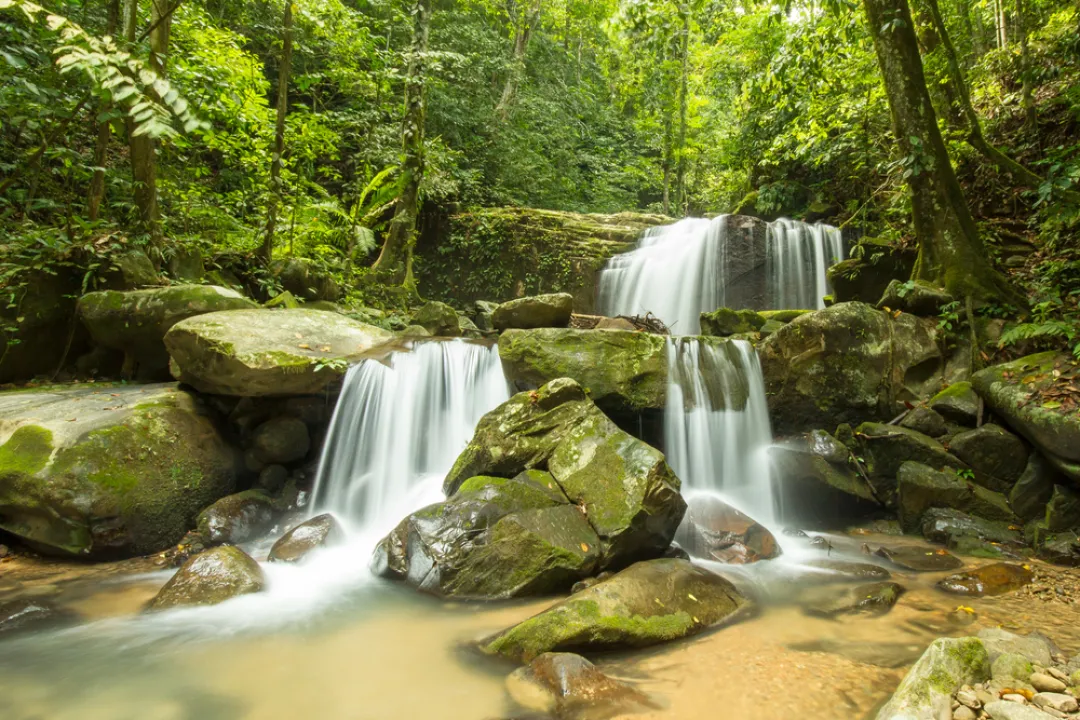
[958,390]
[26,452]
[784,316]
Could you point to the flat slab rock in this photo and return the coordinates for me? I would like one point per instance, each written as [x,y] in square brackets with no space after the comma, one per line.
[565,684]
[920,559]
[871,598]
[988,580]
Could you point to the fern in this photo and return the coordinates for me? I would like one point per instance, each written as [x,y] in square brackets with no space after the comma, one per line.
[1052,330]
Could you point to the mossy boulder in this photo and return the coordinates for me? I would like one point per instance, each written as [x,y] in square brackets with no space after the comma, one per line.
[284,300]
[210,578]
[820,481]
[106,472]
[237,518]
[135,321]
[306,280]
[782,316]
[630,495]
[865,279]
[848,363]
[128,271]
[725,322]
[1063,510]
[251,353]
[280,440]
[925,421]
[971,535]
[885,448]
[622,370]
[920,488]
[1012,391]
[997,456]
[918,298]
[1033,490]
[958,403]
[538,311]
[649,603]
[320,531]
[926,691]
[438,318]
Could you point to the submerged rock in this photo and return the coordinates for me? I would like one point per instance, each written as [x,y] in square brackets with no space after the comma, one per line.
[996,579]
[713,529]
[250,353]
[217,575]
[846,570]
[237,518]
[648,603]
[564,684]
[539,311]
[623,370]
[19,616]
[873,598]
[317,532]
[926,691]
[108,472]
[918,559]
[886,655]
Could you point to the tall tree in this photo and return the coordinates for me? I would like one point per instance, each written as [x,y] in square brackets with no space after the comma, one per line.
[395,260]
[1025,68]
[278,159]
[104,131]
[951,253]
[684,88]
[524,18]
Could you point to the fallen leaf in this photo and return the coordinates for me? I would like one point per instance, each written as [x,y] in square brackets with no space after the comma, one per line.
[584,547]
[304,346]
[691,596]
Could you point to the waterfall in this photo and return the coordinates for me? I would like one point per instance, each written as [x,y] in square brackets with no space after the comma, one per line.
[716,423]
[695,265]
[399,426]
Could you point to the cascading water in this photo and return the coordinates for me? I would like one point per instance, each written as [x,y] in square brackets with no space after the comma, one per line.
[399,426]
[695,265]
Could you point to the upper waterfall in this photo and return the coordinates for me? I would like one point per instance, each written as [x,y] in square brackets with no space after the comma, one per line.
[696,265]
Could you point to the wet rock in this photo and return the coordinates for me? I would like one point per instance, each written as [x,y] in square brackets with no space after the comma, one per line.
[438,318]
[996,579]
[971,535]
[630,495]
[539,311]
[251,353]
[101,474]
[1063,509]
[624,371]
[713,529]
[847,363]
[926,691]
[1033,490]
[1034,648]
[920,488]
[217,575]
[1010,390]
[317,532]
[1046,683]
[725,322]
[958,403]
[993,451]
[650,602]
[887,448]
[1005,710]
[917,298]
[272,478]
[237,518]
[919,559]
[818,476]
[30,615]
[1055,700]
[873,598]
[281,440]
[925,421]
[135,322]
[846,570]
[306,280]
[564,684]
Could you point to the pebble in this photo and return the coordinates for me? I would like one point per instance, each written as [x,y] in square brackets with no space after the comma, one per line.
[1046,683]
[1056,701]
[964,713]
[966,696]
[1058,675]
[1014,698]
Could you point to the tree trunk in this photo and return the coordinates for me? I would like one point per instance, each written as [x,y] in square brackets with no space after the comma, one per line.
[963,7]
[1025,69]
[141,148]
[951,253]
[684,51]
[395,260]
[524,22]
[278,159]
[668,162]
[104,132]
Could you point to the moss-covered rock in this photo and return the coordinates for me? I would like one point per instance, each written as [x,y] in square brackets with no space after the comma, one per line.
[280,440]
[820,481]
[237,518]
[1011,390]
[865,279]
[268,352]
[885,448]
[538,311]
[926,691]
[725,322]
[971,535]
[107,472]
[621,370]
[212,577]
[284,300]
[926,421]
[306,280]
[128,271]
[920,488]
[320,531]
[958,403]
[648,603]
[1033,490]
[918,298]
[997,456]
[848,363]
[438,318]
[1063,510]
[782,316]
[135,322]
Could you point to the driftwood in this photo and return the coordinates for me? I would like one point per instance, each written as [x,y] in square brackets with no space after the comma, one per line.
[641,323]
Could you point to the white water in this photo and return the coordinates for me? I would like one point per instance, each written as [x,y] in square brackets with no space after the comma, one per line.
[681,270]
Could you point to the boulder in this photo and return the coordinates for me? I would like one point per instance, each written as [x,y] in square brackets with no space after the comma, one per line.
[1011,668]
[725,322]
[268,352]
[438,319]
[623,371]
[648,603]
[1006,710]
[926,421]
[630,495]
[212,577]
[996,579]
[100,472]
[1013,391]
[885,448]
[237,518]
[916,297]
[280,440]
[135,322]
[186,264]
[971,535]
[129,270]
[958,403]
[873,598]
[564,684]
[997,456]
[1033,490]
[306,280]
[538,311]
[782,316]
[32,615]
[713,529]
[926,691]
[919,559]
[294,546]
[482,313]
[866,278]
[820,482]
[920,488]
[1063,510]
[1034,648]
[847,363]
